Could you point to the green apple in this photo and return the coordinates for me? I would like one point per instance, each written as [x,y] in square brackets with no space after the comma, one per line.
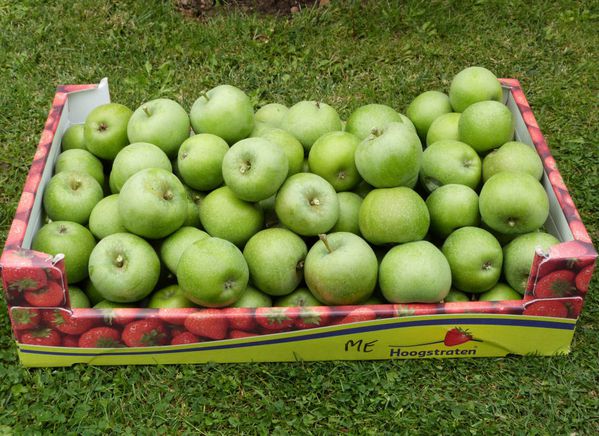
[212,272]
[194,200]
[77,298]
[472,85]
[393,215]
[307,204]
[268,208]
[500,292]
[225,216]
[309,120]
[475,258]
[363,188]
[275,258]
[224,111]
[134,158]
[170,297]
[252,297]
[456,296]
[162,122]
[426,108]
[332,158]
[513,156]
[254,169]
[444,127]
[106,305]
[367,118]
[73,138]
[271,114]
[415,272]
[341,268]
[82,161]
[153,203]
[105,130]
[104,219]
[200,161]
[292,148]
[68,238]
[513,203]
[71,196]
[301,297]
[92,293]
[262,128]
[451,207]
[124,268]
[174,245]
[349,212]
[486,125]
[518,256]
[448,161]
[390,157]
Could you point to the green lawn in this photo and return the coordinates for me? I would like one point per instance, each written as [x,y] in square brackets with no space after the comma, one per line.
[347,55]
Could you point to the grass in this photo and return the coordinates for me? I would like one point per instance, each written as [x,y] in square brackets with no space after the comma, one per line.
[347,55]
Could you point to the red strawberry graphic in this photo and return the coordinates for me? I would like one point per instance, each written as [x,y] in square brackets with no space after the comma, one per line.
[145,333]
[238,334]
[50,296]
[185,338]
[583,278]
[276,318]
[310,317]
[560,283]
[456,336]
[415,309]
[25,279]
[175,316]
[101,337]
[240,318]
[42,336]
[70,341]
[119,316]
[208,323]
[75,323]
[554,308]
[358,315]
[24,318]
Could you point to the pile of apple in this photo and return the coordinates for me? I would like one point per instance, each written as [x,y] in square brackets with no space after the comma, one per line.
[293,206]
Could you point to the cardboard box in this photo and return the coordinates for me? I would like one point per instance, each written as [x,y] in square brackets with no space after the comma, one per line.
[50,336]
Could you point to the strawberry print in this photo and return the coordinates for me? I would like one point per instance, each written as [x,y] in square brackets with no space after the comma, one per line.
[185,338]
[560,283]
[238,334]
[553,308]
[101,337]
[50,296]
[25,278]
[175,316]
[145,333]
[119,316]
[583,278]
[359,314]
[24,318]
[240,318]
[456,336]
[310,317]
[275,318]
[208,323]
[41,336]
[70,341]
[75,323]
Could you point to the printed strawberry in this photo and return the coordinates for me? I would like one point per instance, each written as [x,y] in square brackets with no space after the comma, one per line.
[359,314]
[583,278]
[560,283]
[175,316]
[310,317]
[41,336]
[276,318]
[75,323]
[208,323]
[185,338]
[145,333]
[51,295]
[415,309]
[238,334]
[456,336]
[119,316]
[553,308]
[240,318]
[101,337]
[574,307]
[70,341]
[28,278]
[24,318]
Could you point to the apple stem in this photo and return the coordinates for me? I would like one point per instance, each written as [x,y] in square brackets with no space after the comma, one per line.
[299,266]
[119,261]
[376,132]
[315,202]
[146,110]
[511,222]
[205,95]
[245,167]
[324,240]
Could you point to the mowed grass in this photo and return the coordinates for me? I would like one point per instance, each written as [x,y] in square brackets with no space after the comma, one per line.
[347,55]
